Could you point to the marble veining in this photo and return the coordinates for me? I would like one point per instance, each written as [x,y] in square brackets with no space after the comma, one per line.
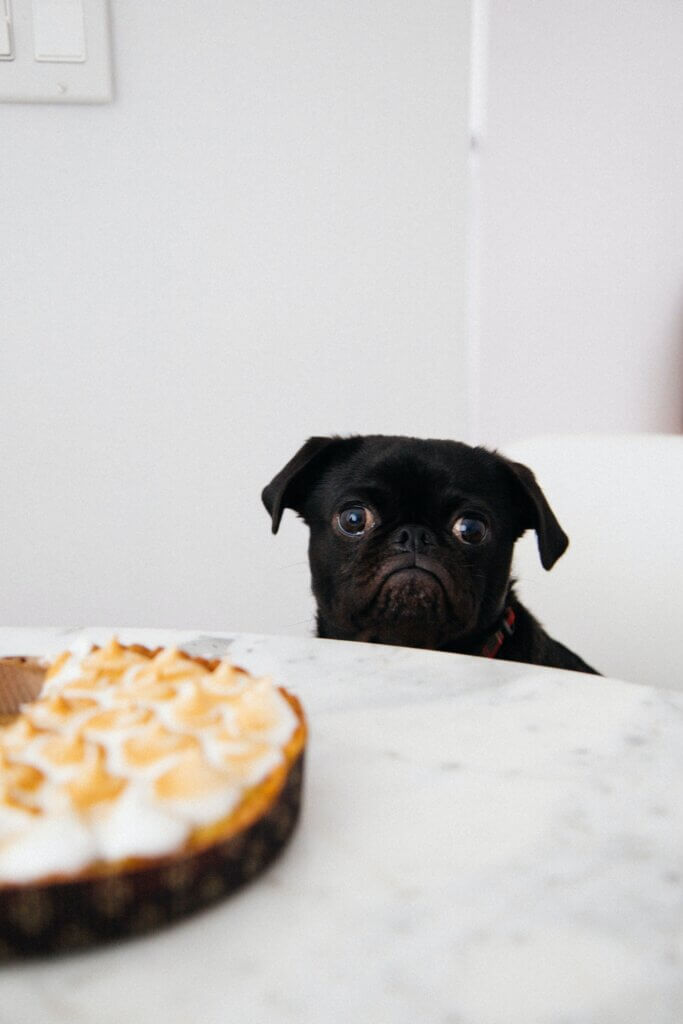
[481,843]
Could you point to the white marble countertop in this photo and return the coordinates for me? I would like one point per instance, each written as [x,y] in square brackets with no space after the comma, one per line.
[481,843]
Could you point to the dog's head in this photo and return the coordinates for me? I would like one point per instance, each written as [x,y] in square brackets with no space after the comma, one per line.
[411,540]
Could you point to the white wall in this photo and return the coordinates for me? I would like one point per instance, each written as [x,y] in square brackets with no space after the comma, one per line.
[262,238]
[265,236]
[581,221]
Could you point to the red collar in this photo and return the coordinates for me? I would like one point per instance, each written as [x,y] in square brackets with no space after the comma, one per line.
[496,640]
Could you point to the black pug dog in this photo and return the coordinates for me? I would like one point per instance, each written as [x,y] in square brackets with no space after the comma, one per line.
[411,544]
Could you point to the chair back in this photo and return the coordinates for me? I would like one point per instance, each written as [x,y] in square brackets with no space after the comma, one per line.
[616,595]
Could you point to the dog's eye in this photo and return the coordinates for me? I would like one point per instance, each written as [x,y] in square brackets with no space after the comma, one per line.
[470,530]
[355,520]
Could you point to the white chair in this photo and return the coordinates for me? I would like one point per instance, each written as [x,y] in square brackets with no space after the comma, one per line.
[616,596]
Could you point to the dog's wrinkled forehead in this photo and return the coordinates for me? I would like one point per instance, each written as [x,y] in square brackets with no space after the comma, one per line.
[414,478]
[411,471]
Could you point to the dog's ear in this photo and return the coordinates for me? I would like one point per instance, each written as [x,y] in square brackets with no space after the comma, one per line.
[552,540]
[289,486]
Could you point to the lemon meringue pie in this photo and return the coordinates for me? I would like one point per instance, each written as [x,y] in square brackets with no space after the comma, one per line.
[161,778]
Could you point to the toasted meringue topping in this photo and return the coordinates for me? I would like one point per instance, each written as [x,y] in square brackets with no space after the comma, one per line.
[63,750]
[155,743]
[126,752]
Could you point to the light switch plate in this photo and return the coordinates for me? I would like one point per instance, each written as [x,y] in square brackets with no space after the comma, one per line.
[31,78]
[6,41]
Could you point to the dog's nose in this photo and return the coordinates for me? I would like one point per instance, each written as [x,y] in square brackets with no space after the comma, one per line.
[413,538]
